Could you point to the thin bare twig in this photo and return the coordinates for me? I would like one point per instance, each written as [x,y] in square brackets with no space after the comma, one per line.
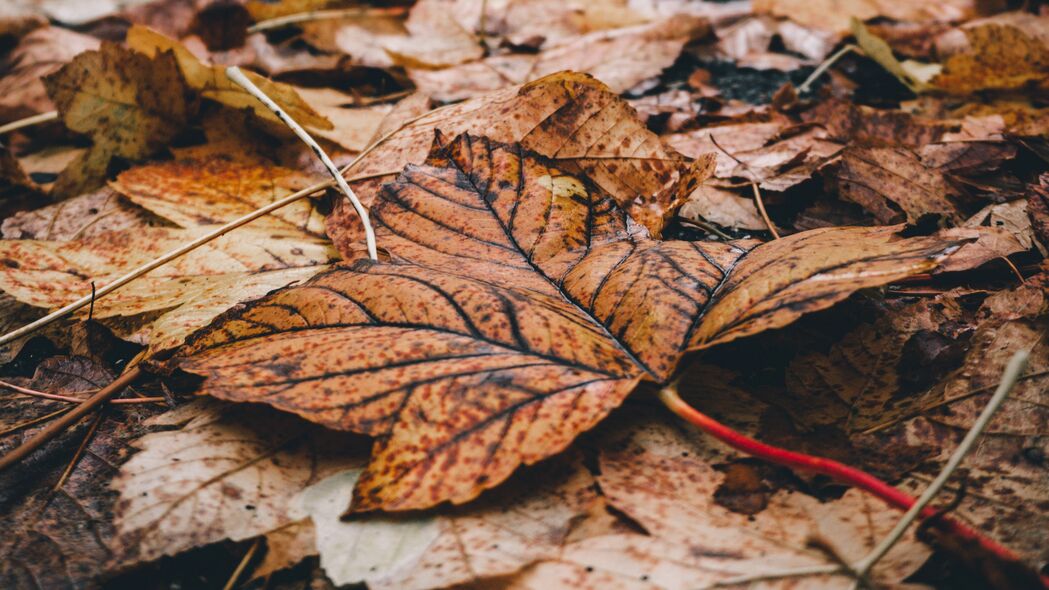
[69,419]
[761,209]
[827,63]
[71,399]
[237,573]
[312,15]
[1016,366]
[238,78]
[28,121]
[79,451]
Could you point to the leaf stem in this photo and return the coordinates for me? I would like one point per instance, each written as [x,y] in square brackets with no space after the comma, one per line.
[838,471]
[238,78]
[71,399]
[761,209]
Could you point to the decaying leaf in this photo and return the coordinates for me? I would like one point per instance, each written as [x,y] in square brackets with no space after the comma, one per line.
[999,57]
[226,473]
[621,58]
[192,289]
[200,191]
[525,521]
[570,118]
[211,81]
[894,184]
[130,105]
[520,308]
[39,53]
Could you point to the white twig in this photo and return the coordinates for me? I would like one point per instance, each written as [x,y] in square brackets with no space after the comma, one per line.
[153,264]
[238,77]
[827,63]
[814,570]
[35,119]
[1016,366]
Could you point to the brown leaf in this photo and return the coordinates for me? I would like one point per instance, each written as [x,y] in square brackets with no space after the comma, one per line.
[999,57]
[894,185]
[227,473]
[129,104]
[568,117]
[517,294]
[848,122]
[622,59]
[38,54]
[220,188]
[211,81]
[527,520]
[62,538]
[81,217]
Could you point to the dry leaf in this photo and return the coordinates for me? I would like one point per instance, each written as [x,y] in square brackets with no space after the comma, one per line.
[81,217]
[835,15]
[38,54]
[130,105]
[999,57]
[894,184]
[912,74]
[226,473]
[622,59]
[436,39]
[527,520]
[581,311]
[722,207]
[211,81]
[568,117]
[220,188]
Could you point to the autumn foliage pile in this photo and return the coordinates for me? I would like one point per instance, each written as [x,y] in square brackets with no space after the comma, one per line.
[822,223]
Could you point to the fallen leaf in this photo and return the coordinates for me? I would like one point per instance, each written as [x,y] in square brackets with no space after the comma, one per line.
[987,244]
[847,122]
[568,117]
[583,309]
[525,521]
[914,75]
[622,59]
[436,39]
[999,57]
[722,207]
[220,188]
[191,290]
[61,538]
[226,473]
[130,105]
[835,15]
[38,54]
[211,81]
[894,184]
[82,217]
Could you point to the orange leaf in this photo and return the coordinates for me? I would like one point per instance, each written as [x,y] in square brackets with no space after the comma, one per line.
[520,307]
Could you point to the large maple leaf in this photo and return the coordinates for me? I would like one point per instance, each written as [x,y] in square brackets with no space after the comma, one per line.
[520,306]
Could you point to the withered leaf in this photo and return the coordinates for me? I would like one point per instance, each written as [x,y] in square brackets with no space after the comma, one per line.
[568,117]
[130,105]
[85,216]
[520,307]
[999,57]
[622,59]
[525,521]
[200,191]
[211,81]
[39,53]
[191,290]
[227,473]
[894,184]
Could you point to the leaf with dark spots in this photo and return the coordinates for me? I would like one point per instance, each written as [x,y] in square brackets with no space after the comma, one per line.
[519,307]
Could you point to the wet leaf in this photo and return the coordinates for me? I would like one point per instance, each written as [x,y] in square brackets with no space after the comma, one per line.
[583,308]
